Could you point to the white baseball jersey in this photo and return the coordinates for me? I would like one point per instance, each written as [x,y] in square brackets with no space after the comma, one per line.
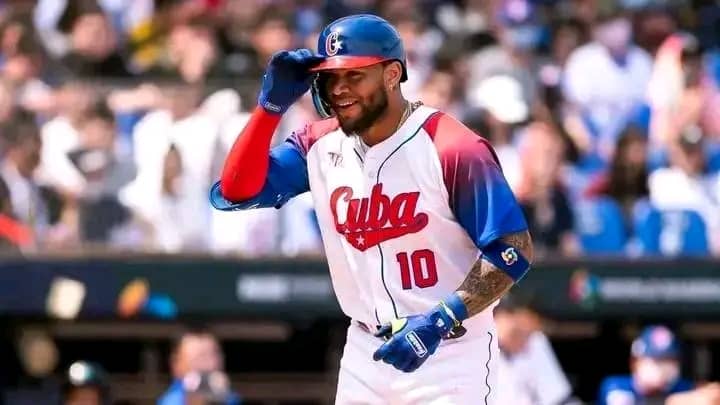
[402,221]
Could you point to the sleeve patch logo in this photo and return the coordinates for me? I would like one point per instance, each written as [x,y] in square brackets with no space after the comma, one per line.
[509,256]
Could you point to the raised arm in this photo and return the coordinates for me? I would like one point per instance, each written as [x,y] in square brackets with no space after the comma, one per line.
[253,175]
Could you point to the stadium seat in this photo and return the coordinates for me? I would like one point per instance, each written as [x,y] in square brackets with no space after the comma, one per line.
[669,232]
[599,225]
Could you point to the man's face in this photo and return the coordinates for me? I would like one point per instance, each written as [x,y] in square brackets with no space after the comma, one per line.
[27,154]
[357,96]
[515,328]
[197,353]
[653,375]
[92,36]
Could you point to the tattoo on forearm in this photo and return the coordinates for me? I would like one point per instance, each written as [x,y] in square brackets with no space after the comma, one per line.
[486,283]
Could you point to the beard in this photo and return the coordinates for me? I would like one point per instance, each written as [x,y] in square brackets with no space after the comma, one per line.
[369,114]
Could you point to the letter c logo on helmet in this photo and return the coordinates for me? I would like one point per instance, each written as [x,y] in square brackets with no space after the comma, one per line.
[332,44]
[356,41]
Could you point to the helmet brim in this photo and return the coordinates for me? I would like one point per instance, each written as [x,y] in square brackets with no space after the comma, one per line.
[347,62]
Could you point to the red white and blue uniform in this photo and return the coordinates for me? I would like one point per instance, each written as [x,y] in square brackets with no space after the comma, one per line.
[402,222]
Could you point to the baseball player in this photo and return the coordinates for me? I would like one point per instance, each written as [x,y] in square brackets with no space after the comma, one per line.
[421,231]
[656,373]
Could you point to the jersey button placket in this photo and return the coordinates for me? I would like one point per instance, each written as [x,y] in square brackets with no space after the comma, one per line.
[370,169]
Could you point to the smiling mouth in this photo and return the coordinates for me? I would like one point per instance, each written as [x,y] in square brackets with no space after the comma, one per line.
[344,105]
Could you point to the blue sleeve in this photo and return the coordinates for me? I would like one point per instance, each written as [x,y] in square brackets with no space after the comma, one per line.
[287,177]
[682,385]
[173,396]
[480,197]
[621,385]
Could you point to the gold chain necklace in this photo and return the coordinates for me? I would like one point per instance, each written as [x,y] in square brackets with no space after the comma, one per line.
[409,109]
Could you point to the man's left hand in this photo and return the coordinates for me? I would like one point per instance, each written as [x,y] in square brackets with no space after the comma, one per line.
[411,340]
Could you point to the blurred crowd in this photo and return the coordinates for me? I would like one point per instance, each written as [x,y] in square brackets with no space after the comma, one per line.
[115,117]
[196,367]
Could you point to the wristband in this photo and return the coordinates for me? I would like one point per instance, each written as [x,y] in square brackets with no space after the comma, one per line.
[507,258]
[455,307]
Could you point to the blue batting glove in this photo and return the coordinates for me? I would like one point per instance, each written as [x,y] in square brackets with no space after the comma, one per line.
[411,340]
[286,79]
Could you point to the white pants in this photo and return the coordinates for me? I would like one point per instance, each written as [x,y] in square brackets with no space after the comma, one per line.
[462,371]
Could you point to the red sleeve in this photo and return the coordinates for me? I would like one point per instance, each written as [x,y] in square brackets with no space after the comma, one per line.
[246,166]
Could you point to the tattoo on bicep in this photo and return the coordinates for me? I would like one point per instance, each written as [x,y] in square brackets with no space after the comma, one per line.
[485,283]
[522,242]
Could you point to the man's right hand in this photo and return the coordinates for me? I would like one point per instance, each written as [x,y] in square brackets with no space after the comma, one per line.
[286,79]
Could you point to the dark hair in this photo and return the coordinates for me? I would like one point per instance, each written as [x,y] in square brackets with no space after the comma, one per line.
[76,9]
[18,129]
[514,302]
[101,111]
[620,184]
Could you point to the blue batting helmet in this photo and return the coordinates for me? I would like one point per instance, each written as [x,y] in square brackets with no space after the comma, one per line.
[656,341]
[353,42]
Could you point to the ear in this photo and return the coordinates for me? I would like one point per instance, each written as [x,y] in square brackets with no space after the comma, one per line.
[393,74]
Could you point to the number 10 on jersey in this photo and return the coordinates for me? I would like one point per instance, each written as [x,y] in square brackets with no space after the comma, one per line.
[418,269]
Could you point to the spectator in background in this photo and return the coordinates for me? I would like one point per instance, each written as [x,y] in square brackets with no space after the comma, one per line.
[104,173]
[14,235]
[686,184]
[189,52]
[681,93]
[93,43]
[541,191]
[86,384]
[653,24]
[272,32]
[604,82]
[177,122]
[7,101]
[236,22]
[195,351]
[504,111]
[23,62]
[441,91]
[626,180]
[566,36]
[655,371]
[60,135]
[22,143]
[528,368]
[420,44]
[518,31]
